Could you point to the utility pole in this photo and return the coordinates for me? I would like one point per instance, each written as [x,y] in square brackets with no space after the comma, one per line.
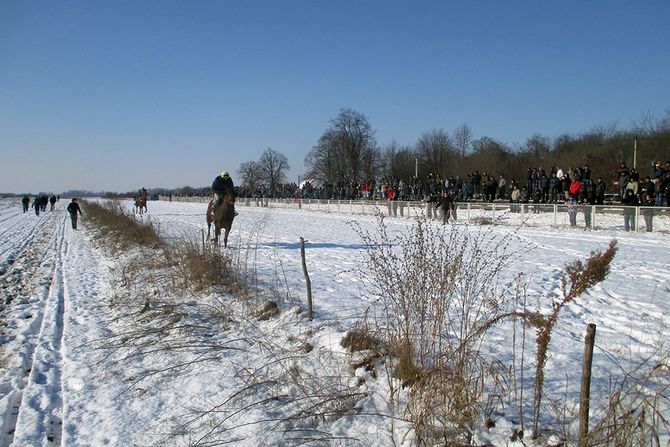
[416,166]
[635,153]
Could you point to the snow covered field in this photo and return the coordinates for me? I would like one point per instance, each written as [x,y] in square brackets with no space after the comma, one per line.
[58,387]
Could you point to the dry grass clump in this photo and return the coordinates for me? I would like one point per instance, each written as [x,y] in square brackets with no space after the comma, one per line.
[182,265]
[360,338]
[119,228]
[577,278]
[265,311]
[637,413]
[438,287]
[196,270]
[441,292]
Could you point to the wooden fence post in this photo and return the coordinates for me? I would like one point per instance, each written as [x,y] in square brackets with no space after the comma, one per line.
[307,280]
[585,394]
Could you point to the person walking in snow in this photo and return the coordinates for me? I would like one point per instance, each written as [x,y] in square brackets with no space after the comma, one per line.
[571,205]
[26,203]
[648,212]
[629,201]
[37,205]
[446,203]
[73,208]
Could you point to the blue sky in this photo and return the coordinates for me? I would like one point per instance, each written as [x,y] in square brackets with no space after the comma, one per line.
[114,95]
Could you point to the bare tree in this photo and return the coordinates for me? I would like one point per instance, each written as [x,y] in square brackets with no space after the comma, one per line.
[491,156]
[435,148]
[273,167]
[371,162]
[538,146]
[462,139]
[251,174]
[347,149]
[646,125]
[389,153]
[405,163]
[322,161]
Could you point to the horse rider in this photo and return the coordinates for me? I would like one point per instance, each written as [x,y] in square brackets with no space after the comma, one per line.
[222,185]
[142,192]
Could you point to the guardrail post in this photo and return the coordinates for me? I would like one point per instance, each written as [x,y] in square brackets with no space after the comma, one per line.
[637,218]
[555,215]
[593,217]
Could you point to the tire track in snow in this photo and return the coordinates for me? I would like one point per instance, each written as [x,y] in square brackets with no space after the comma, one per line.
[36,402]
[11,251]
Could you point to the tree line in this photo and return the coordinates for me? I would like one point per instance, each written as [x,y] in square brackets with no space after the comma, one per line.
[347,151]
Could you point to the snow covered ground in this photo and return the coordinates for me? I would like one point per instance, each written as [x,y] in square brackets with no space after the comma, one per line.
[62,382]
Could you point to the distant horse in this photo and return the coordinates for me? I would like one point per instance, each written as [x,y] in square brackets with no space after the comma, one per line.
[222,217]
[140,204]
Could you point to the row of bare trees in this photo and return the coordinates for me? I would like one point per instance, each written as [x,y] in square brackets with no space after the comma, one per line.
[268,172]
[348,150]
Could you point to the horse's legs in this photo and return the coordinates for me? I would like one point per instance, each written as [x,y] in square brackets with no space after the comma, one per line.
[225,235]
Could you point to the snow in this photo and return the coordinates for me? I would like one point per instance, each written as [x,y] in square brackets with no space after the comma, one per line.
[71,374]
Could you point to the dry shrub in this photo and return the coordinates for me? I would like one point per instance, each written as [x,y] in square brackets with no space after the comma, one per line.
[360,338]
[575,280]
[265,311]
[197,270]
[637,413]
[183,265]
[439,286]
[119,229]
[444,406]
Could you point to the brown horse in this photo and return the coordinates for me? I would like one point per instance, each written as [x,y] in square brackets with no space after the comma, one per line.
[140,204]
[222,217]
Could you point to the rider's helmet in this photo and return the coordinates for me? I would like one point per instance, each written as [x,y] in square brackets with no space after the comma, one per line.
[225,174]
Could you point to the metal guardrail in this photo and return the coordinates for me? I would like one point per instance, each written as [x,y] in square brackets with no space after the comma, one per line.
[596,217]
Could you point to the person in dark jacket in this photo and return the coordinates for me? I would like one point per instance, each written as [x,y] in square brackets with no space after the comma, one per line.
[648,212]
[26,203]
[630,201]
[600,191]
[221,186]
[446,203]
[52,201]
[587,209]
[623,175]
[590,192]
[37,204]
[73,208]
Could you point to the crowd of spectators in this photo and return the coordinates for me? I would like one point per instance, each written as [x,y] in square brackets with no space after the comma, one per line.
[540,186]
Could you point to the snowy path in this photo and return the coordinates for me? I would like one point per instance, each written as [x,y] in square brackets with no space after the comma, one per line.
[36,297]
